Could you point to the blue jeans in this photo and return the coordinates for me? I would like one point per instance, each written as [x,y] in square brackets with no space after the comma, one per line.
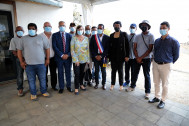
[40,71]
[19,74]
[146,71]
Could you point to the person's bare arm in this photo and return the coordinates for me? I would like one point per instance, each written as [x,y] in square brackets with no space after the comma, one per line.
[14,53]
[47,52]
[20,57]
[147,52]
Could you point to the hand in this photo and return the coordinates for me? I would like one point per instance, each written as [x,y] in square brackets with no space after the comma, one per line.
[77,64]
[47,62]
[139,60]
[98,58]
[66,56]
[126,59]
[23,65]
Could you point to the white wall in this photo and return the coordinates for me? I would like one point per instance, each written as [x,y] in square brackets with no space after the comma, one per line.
[35,13]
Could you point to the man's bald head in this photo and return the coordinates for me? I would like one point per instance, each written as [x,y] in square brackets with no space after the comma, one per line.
[19,28]
[47,24]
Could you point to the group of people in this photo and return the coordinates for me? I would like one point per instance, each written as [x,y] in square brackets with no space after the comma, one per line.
[88,47]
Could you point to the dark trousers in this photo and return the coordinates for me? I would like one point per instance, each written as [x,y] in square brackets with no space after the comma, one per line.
[129,66]
[79,74]
[88,74]
[99,64]
[52,67]
[19,74]
[146,71]
[117,66]
[66,64]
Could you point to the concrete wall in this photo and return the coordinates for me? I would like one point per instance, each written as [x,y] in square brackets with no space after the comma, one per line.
[36,13]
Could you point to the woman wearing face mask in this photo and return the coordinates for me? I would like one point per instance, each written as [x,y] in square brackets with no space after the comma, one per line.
[80,56]
[118,53]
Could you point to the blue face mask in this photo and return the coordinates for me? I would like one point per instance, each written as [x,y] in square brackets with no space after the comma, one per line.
[62,28]
[48,29]
[99,31]
[93,32]
[163,31]
[32,32]
[132,31]
[20,33]
[80,32]
[88,32]
[72,29]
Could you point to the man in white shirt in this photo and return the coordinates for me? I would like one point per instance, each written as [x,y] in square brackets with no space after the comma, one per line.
[47,35]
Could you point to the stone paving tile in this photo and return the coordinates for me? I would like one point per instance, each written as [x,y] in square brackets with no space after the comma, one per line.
[127,116]
[179,111]
[115,121]
[185,122]
[142,122]
[136,109]
[90,108]
[173,117]
[165,122]
[150,116]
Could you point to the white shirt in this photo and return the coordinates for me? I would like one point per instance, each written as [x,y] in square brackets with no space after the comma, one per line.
[50,42]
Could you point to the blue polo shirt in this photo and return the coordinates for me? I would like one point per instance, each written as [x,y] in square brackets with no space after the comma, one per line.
[166,50]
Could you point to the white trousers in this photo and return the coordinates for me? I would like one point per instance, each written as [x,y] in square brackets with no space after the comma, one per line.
[161,75]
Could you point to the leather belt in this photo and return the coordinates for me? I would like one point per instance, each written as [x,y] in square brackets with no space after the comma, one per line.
[161,63]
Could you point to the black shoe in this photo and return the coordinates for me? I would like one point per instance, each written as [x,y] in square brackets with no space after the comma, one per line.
[89,84]
[154,100]
[61,91]
[76,93]
[104,87]
[55,89]
[161,105]
[96,86]
[69,89]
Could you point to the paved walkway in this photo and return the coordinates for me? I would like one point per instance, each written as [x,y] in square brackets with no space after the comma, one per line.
[90,108]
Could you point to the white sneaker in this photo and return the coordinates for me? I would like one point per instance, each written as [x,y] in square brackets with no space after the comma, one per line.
[129,89]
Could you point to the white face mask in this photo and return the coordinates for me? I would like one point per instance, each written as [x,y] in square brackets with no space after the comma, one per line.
[132,31]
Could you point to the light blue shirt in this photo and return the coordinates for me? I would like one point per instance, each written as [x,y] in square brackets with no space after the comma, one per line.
[141,47]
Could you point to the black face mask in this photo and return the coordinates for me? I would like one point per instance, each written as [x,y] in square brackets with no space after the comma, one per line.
[116,29]
[144,28]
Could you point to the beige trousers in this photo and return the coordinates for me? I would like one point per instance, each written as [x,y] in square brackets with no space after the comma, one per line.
[161,75]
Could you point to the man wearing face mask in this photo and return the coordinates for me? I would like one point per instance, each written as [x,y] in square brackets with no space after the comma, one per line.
[130,64]
[36,53]
[118,53]
[88,67]
[13,47]
[47,35]
[94,30]
[166,52]
[143,45]
[72,29]
[61,45]
[99,44]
